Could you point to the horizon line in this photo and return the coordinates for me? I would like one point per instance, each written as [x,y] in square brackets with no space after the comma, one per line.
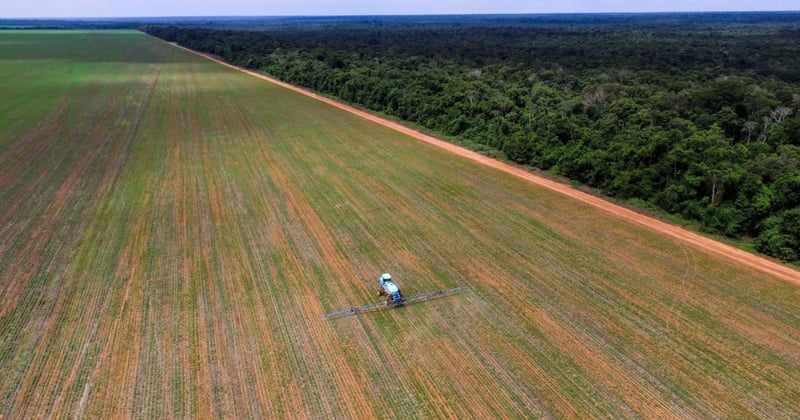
[255,16]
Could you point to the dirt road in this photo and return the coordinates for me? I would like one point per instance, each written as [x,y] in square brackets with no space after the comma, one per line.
[697,241]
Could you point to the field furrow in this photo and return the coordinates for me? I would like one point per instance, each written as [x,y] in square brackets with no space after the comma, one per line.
[172,232]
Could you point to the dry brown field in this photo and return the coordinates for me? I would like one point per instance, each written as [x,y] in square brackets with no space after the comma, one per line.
[172,232]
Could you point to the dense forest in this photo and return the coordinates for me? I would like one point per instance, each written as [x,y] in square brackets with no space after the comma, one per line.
[692,114]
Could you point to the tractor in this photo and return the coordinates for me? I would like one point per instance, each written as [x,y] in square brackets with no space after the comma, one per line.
[387,287]
[390,289]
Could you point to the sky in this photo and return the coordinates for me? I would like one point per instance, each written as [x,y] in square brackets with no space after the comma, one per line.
[156,8]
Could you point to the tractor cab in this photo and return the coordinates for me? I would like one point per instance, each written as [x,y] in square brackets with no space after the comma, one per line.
[389,288]
[384,279]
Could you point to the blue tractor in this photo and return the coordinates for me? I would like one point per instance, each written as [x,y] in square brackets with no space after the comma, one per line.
[390,289]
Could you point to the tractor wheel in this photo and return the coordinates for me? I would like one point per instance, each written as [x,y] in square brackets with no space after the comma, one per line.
[380,291]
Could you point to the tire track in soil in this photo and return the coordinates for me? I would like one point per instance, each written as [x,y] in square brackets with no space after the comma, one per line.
[298,235]
[373,354]
[319,342]
[225,197]
[419,377]
[125,263]
[121,370]
[468,367]
[81,191]
[220,384]
[458,396]
[707,245]
[190,201]
[228,206]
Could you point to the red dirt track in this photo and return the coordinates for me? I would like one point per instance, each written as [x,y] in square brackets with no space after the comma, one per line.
[695,240]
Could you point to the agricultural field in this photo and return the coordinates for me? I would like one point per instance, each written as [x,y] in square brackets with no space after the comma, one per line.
[172,232]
